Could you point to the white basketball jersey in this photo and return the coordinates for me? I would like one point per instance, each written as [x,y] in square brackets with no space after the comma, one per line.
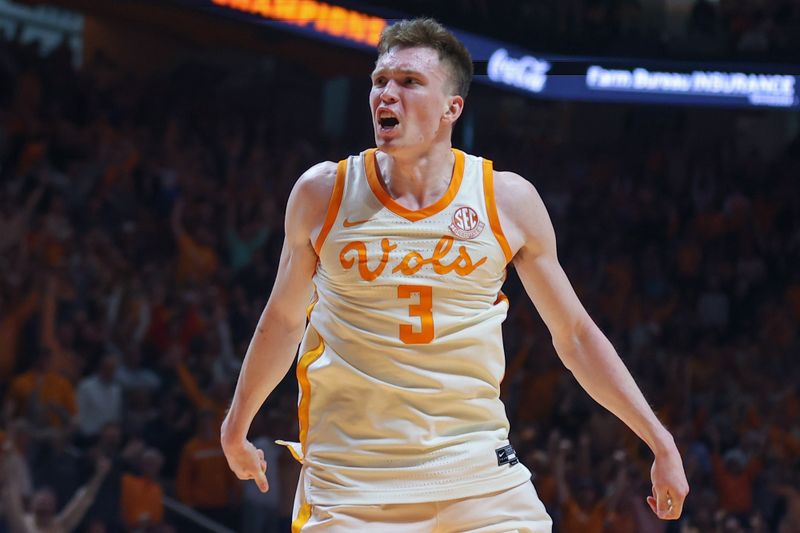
[401,363]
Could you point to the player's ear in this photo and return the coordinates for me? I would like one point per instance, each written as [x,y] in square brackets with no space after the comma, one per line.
[455,106]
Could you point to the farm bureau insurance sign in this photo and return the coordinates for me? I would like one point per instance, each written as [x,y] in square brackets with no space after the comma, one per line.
[759,89]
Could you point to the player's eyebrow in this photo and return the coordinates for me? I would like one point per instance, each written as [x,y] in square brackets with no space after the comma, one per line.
[405,71]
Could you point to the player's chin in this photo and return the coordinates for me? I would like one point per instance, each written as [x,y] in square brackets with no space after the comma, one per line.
[386,145]
[387,135]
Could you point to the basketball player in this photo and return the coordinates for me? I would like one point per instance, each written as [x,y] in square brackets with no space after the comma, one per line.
[404,248]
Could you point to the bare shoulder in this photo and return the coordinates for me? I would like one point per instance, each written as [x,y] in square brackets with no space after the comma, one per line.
[308,201]
[315,185]
[512,190]
[523,215]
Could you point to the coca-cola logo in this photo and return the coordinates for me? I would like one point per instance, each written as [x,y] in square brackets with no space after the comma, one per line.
[527,72]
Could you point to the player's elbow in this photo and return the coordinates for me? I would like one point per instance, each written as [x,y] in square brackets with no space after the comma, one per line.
[277,318]
[573,342]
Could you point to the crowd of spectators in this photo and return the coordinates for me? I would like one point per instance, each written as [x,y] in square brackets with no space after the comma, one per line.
[723,29]
[141,225]
[747,30]
[685,252]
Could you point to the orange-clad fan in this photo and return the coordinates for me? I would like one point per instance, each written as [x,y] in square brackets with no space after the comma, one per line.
[41,395]
[141,501]
[204,480]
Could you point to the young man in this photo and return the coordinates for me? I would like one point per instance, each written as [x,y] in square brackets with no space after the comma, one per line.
[405,249]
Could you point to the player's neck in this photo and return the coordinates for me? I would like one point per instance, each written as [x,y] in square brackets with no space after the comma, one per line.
[420,178]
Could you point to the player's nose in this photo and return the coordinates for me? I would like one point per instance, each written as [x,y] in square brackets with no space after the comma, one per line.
[389,92]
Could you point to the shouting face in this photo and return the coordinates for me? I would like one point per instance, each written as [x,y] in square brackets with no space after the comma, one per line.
[412,100]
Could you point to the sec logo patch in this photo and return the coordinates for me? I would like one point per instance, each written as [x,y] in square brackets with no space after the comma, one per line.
[466,224]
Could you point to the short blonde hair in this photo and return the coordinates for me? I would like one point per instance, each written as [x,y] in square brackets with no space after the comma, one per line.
[427,33]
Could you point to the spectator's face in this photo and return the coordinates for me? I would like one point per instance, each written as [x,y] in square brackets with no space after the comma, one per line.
[411,99]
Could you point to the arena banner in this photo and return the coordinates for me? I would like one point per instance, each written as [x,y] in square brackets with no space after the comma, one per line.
[626,80]
[316,19]
[541,75]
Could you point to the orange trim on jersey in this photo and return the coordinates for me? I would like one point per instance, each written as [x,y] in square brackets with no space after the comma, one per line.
[312,303]
[333,205]
[491,209]
[293,453]
[501,298]
[375,183]
[305,389]
[303,516]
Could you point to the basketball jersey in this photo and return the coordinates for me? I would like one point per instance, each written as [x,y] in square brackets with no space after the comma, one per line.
[401,362]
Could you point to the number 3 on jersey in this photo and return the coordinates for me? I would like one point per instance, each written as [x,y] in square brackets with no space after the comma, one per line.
[423,310]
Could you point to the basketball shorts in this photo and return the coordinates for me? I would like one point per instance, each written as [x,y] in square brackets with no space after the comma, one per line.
[513,510]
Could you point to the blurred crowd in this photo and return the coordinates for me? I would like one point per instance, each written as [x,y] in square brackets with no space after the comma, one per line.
[133,274]
[141,226]
[709,29]
[747,30]
[685,250]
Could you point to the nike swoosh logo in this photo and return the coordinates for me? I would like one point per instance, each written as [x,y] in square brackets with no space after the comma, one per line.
[349,224]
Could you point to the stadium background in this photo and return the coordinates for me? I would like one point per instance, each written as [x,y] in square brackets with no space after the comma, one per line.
[146,152]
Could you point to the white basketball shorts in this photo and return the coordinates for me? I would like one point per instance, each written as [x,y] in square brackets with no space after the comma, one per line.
[514,510]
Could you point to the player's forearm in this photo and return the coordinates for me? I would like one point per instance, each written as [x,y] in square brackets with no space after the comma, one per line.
[268,359]
[599,370]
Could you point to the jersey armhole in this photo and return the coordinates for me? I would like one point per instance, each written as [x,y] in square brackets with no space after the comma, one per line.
[333,205]
[491,209]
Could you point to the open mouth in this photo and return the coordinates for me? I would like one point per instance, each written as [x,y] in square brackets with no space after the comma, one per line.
[387,121]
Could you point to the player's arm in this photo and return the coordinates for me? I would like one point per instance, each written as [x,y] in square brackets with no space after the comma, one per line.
[580,344]
[280,328]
